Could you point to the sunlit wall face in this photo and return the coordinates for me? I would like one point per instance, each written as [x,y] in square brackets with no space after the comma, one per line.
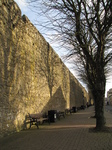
[33,78]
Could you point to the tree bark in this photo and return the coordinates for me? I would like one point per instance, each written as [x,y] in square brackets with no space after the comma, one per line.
[99,98]
[99,112]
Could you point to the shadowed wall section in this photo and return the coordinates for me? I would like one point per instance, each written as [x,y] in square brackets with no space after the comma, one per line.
[32,76]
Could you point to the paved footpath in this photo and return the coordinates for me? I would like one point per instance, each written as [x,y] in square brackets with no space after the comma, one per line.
[70,133]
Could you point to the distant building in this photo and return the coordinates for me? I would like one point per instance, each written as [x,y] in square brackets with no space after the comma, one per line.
[109,96]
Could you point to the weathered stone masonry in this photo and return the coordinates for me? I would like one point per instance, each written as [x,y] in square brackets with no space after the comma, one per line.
[32,76]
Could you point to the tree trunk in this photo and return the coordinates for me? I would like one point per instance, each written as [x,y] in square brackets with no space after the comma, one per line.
[99,97]
[99,112]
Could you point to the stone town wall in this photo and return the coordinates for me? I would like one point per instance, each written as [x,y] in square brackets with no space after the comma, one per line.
[109,96]
[32,76]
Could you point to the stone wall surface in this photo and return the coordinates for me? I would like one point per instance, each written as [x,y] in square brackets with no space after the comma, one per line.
[32,76]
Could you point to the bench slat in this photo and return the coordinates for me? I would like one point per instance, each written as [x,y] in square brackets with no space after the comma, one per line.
[35,118]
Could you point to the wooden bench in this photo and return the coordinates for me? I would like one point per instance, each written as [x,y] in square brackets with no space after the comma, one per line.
[60,114]
[68,111]
[36,119]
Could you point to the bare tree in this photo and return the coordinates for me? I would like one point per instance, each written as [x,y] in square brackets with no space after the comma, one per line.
[84,27]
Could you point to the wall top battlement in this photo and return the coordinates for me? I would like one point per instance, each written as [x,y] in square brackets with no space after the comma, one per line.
[11,12]
[12,6]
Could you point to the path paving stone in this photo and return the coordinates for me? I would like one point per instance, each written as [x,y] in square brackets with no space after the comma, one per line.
[69,133]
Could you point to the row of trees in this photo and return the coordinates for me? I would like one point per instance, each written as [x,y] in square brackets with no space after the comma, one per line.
[84,28]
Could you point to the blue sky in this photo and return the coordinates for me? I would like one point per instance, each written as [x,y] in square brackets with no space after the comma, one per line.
[32,17]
